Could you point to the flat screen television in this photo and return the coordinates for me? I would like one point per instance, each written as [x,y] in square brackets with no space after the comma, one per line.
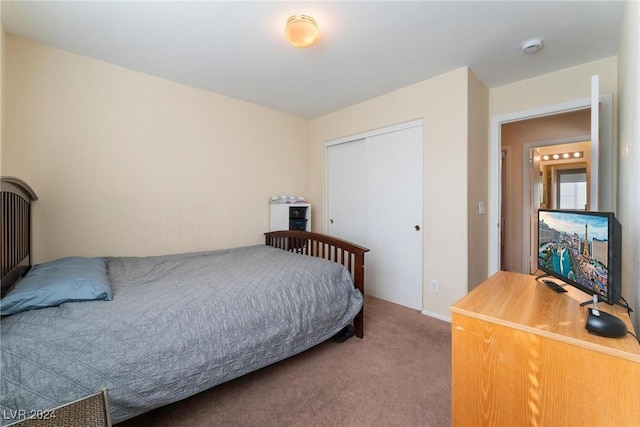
[583,250]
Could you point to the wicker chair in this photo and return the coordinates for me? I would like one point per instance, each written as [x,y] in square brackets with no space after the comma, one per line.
[90,411]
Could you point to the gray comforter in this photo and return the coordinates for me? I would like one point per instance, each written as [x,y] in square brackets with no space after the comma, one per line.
[177,325]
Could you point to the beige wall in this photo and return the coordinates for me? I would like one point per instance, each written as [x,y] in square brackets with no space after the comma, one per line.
[555,88]
[628,208]
[442,103]
[129,164]
[478,180]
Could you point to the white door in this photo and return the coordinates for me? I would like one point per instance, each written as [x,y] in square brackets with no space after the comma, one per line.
[394,216]
[595,143]
[535,193]
[345,191]
[374,198]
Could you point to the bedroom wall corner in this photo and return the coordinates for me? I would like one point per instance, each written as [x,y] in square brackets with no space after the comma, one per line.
[478,179]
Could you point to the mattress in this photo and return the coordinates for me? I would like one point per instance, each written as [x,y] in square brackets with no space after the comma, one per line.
[177,325]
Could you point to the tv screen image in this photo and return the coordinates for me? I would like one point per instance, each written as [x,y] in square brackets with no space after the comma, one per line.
[582,249]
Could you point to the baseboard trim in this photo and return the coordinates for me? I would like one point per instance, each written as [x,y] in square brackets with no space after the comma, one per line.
[436,315]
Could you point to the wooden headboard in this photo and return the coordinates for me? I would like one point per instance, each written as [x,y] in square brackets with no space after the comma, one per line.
[15,259]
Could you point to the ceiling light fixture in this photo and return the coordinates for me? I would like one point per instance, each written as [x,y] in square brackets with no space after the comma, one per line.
[301,30]
[558,156]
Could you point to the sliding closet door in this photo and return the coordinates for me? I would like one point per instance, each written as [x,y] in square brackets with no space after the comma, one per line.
[346,191]
[394,216]
[374,198]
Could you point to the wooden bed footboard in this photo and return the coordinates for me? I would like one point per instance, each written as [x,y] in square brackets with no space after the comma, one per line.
[331,248]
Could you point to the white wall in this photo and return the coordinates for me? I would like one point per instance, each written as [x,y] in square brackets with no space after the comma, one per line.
[628,209]
[129,164]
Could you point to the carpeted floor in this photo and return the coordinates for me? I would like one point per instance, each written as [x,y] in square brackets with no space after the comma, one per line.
[399,375]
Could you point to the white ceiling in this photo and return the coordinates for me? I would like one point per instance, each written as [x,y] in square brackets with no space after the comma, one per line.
[367,48]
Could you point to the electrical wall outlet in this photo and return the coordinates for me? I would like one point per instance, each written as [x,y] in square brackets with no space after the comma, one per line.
[434,285]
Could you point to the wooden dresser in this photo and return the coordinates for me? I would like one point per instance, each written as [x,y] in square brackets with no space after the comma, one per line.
[521,356]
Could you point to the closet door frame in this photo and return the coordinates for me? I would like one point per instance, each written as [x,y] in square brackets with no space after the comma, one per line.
[363,137]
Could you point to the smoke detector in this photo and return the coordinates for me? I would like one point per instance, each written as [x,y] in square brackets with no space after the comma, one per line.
[532,46]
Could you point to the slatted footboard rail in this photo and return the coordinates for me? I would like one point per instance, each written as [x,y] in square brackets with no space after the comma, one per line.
[322,246]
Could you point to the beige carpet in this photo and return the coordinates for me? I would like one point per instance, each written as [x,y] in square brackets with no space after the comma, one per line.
[399,375]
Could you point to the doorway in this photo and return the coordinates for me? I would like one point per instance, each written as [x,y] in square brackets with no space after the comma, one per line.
[548,133]
[604,184]
[550,170]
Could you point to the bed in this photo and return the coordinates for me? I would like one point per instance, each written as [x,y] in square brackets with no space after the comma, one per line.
[170,326]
